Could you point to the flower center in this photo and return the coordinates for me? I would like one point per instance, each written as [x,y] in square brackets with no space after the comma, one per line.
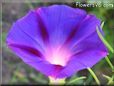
[58,56]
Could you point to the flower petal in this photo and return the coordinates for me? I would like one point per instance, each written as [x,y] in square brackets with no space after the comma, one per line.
[53,26]
[86,54]
[85,29]
[60,21]
[46,68]
[25,39]
[25,33]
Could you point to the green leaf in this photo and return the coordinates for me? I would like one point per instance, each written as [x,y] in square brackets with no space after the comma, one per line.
[75,80]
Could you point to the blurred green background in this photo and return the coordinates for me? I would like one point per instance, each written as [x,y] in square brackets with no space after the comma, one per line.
[14,71]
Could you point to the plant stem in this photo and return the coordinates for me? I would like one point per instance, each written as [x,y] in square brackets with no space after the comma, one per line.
[102,24]
[109,62]
[76,79]
[94,76]
[104,41]
[53,81]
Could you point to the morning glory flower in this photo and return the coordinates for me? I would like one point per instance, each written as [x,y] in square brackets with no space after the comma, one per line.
[57,40]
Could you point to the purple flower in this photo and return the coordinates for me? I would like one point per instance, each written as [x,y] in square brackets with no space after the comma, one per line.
[57,40]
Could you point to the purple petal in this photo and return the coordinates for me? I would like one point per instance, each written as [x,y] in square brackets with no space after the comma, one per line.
[85,29]
[41,37]
[46,68]
[25,33]
[86,54]
[81,61]
[27,39]
[60,21]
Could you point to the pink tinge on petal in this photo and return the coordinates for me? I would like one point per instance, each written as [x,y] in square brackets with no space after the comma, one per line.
[103,53]
[57,55]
